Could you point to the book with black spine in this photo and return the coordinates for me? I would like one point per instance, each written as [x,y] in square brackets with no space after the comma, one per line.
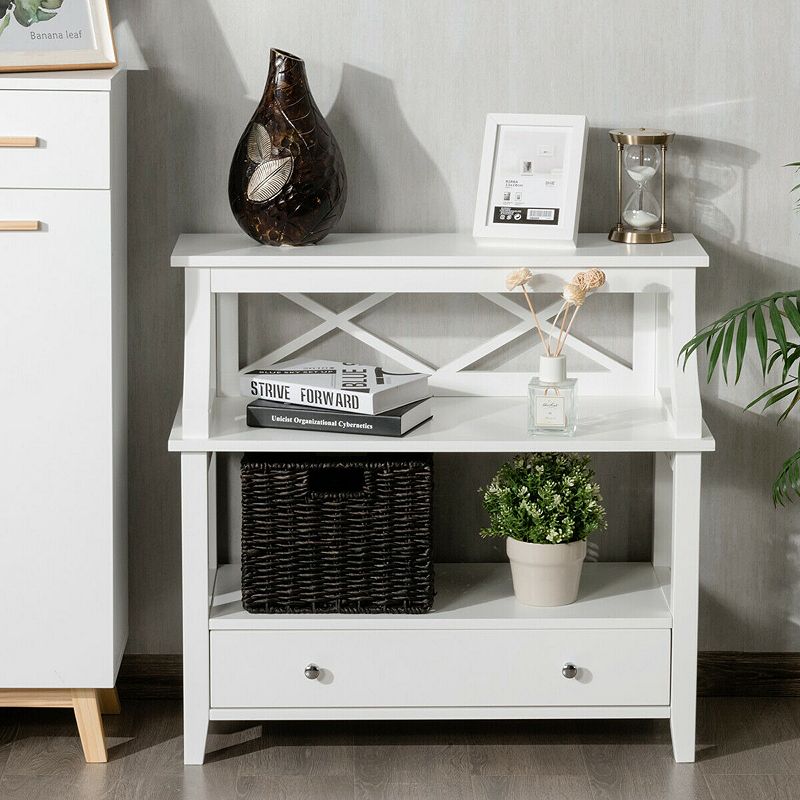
[336,385]
[397,422]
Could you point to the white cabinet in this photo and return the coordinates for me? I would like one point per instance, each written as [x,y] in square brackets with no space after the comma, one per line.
[626,648]
[63,482]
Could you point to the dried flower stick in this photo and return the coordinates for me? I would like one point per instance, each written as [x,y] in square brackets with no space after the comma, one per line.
[562,337]
[561,332]
[535,319]
[563,308]
[566,334]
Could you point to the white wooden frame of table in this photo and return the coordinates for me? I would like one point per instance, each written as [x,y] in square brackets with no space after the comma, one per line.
[662,278]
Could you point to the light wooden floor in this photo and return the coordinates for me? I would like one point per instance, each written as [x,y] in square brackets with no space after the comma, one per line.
[750,750]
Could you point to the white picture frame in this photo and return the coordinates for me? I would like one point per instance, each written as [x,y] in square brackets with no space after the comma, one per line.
[56,35]
[531,177]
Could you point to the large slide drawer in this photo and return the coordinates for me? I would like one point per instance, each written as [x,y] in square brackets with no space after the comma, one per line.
[391,668]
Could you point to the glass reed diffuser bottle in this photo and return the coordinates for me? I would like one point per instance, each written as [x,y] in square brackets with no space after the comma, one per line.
[551,395]
[551,399]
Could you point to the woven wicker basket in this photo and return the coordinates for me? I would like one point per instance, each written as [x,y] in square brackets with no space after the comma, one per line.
[334,535]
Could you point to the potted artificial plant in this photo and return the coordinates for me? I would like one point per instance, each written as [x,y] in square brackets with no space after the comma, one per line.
[545,505]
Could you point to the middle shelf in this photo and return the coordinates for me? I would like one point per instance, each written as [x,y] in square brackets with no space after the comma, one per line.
[461,424]
[478,596]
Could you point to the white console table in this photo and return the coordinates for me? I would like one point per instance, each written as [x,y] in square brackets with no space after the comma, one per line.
[633,631]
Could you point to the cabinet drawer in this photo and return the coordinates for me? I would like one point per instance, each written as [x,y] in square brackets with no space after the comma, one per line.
[56,232]
[72,132]
[385,668]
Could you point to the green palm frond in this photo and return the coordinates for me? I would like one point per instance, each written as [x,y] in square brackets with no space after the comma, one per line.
[775,322]
[787,484]
[765,314]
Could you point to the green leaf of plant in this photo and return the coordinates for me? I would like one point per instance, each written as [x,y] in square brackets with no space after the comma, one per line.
[788,409]
[792,314]
[767,393]
[788,481]
[776,320]
[778,397]
[791,359]
[53,4]
[761,337]
[741,344]
[4,22]
[727,345]
[714,356]
[690,347]
[772,359]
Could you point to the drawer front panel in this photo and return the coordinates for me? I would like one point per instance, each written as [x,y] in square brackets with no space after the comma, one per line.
[439,668]
[72,144]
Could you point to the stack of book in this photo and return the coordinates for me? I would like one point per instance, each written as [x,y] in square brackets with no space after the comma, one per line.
[337,396]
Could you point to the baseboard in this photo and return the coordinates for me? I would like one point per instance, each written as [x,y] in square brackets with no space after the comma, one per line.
[736,674]
[719,674]
[150,676]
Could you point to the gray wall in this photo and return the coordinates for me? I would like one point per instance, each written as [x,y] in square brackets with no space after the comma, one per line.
[406,86]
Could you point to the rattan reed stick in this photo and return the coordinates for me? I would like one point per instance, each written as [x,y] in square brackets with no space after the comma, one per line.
[535,319]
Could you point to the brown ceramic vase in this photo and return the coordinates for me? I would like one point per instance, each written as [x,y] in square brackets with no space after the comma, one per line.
[287,183]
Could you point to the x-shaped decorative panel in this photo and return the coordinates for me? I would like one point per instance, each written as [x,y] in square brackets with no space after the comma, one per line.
[613,376]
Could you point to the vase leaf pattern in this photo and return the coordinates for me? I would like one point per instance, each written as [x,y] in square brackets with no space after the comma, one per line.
[268,179]
[259,146]
[287,183]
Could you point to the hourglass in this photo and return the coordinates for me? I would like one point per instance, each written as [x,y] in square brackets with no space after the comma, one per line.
[641,153]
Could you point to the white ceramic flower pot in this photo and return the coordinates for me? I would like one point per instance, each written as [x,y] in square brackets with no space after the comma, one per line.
[546,574]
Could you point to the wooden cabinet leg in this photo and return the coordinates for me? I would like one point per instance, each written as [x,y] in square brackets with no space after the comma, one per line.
[86,703]
[109,701]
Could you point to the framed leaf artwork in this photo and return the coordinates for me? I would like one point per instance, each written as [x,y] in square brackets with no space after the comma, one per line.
[55,34]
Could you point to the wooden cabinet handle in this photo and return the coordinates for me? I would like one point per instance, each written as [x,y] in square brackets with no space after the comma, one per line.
[19,141]
[19,224]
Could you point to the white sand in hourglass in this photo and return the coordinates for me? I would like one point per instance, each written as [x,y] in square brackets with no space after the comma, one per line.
[639,218]
[641,173]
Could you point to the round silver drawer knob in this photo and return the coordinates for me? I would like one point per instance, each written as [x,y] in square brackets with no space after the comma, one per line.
[569,670]
[312,672]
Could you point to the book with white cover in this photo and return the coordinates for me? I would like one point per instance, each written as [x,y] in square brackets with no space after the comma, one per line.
[338,385]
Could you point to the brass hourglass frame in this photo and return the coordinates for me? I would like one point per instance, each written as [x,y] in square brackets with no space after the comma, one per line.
[641,137]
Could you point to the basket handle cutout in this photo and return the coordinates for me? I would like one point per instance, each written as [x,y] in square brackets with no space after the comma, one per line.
[336,481]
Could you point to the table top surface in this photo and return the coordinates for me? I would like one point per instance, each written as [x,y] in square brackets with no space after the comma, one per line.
[448,250]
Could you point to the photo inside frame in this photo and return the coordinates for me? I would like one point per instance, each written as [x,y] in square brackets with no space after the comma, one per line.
[44,27]
[529,175]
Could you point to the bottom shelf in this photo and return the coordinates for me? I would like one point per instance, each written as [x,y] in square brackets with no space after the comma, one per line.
[477,596]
